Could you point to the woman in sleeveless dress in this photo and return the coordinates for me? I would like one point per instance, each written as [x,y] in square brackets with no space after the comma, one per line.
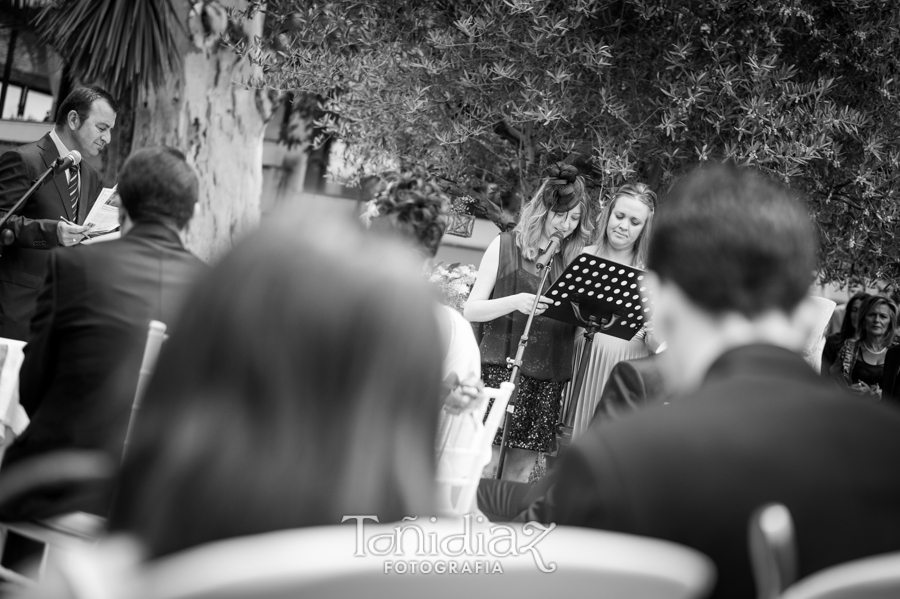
[624,234]
[502,297]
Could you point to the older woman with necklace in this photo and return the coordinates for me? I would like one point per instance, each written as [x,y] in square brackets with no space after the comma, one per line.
[860,363]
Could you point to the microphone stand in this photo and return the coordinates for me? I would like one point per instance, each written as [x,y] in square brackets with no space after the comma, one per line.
[514,377]
[48,175]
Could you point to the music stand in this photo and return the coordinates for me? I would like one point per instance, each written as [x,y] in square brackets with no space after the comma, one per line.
[601,296]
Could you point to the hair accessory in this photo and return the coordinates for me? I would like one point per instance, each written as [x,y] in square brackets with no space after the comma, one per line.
[562,185]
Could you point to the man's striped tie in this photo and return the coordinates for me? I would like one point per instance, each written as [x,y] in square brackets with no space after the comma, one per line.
[73,191]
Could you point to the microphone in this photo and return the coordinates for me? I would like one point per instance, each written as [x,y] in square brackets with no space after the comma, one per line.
[73,158]
[544,259]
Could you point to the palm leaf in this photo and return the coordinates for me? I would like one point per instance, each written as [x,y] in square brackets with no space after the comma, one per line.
[129,45]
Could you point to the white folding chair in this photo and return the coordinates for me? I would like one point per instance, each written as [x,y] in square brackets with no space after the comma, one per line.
[773,552]
[875,577]
[156,334]
[464,449]
[774,558]
[411,560]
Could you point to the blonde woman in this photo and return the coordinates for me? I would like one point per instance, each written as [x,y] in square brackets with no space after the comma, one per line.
[502,297]
[625,226]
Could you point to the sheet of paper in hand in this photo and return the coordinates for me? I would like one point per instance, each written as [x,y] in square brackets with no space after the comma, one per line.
[104,214]
[614,294]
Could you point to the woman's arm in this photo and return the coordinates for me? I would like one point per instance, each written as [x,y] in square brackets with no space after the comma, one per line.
[652,342]
[479,308]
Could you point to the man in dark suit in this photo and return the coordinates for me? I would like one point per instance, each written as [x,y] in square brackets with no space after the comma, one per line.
[632,385]
[732,255]
[78,379]
[84,123]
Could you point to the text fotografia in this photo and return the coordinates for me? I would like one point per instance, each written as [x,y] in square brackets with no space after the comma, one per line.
[481,551]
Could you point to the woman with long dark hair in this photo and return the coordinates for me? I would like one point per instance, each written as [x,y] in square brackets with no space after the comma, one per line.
[301,386]
[834,341]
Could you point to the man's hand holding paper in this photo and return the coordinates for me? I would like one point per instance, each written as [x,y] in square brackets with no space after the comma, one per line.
[69,233]
[104,215]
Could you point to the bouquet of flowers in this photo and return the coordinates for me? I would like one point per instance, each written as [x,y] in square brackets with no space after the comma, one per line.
[454,281]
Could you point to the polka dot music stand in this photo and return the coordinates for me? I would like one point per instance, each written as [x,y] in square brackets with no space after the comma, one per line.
[601,296]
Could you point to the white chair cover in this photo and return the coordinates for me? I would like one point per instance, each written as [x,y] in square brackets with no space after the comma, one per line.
[408,560]
[464,449]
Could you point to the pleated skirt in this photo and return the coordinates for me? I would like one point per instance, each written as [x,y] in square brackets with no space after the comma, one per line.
[606,352]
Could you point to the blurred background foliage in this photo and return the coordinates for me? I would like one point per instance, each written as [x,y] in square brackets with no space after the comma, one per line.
[486,93]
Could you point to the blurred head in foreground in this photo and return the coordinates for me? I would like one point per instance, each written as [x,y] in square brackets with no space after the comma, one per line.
[302,387]
[734,254]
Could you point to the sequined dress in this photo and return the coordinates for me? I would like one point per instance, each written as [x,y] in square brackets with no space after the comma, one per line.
[547,362]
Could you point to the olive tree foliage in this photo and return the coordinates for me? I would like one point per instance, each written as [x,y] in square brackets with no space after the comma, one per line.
[488,92]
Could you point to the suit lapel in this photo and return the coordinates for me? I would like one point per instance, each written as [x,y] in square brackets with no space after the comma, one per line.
[49,154]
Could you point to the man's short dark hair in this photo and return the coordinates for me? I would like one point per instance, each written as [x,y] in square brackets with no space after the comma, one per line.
[80,100]
[157,184]
[735,241]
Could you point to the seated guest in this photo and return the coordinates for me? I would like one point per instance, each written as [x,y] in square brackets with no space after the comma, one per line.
[302,386]
[632,385]
[413,207]
[81,366]
[834,341]
[733,254]
[860,362]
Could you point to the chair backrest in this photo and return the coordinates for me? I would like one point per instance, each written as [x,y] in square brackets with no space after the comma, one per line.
[773,550]
[875,577]
[156,334]
[464,449]
[451,558]
[774,558]
[12,414]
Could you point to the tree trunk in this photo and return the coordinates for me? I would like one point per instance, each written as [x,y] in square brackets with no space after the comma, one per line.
[219,126]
